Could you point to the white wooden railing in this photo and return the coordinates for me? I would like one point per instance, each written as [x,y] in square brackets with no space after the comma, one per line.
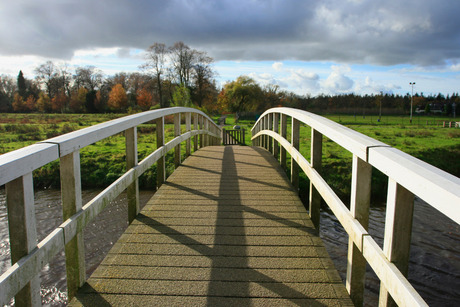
[407,176]
[28,257]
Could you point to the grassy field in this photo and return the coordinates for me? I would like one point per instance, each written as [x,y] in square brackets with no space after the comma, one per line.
[104,161]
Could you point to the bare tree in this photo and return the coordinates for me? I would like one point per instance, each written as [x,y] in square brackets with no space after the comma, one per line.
[202,75]
[183,59]
[156,63]
[88,77]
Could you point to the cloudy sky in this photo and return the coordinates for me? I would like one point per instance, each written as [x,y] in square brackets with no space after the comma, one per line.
[309,47]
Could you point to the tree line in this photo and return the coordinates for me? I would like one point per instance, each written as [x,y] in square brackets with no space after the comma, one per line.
[181,76]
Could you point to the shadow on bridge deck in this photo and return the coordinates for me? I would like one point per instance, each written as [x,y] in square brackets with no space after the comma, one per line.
[225,229]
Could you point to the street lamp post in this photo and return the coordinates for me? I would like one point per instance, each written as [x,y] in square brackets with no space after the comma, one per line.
[411,100]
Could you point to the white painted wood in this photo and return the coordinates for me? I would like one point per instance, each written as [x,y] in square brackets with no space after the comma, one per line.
[295,135]
[349,139]
[132,190]
[316,150]
[283,133]
[23,232]
[20,162]
[359,209]
[401,290]
[161,166]
[177,149]
[71,204]
[398,230]
[195,127]
[188,128]
[438,188]
[396,284]
[276,147]
[78,139]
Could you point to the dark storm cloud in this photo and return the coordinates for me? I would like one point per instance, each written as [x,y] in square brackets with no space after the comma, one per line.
[422,32]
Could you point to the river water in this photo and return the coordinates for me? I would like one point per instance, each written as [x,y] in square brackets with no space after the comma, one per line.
[434,268]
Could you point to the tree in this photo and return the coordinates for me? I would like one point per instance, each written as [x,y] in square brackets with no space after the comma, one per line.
[45,74]
[7,91]
[156,63]
[88,77]
[183,59]
[244,94]
[18,103]
[21,83]
[202,76]
[78,99]
[43,103]
[144,99]
[59,102]
[181,97]
[118,99]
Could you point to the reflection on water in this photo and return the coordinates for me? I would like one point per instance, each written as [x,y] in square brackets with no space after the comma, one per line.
[99,235]
[434,268]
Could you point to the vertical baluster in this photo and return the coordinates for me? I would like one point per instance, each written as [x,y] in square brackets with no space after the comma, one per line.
[283,132]
[23,232]
[188,128]
[398,230]
[131,161]
[295,143]
[71,204]
[206,136]
[201,128]
[177,150]
[243,137]
[195,127]
[316,155]
[270,127]
[262,127]
[161,171]
[359,208]
[276,147]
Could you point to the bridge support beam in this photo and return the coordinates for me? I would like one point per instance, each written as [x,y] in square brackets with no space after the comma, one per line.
[71,204]
[131,161]
[398,231]
[359,208]
[23,232]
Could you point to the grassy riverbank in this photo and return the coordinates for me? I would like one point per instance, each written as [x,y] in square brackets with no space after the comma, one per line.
[104,162]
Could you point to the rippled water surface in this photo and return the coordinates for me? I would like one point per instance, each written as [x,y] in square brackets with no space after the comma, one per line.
[434,264]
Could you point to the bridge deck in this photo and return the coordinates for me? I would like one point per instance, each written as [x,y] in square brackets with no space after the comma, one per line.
[225,229]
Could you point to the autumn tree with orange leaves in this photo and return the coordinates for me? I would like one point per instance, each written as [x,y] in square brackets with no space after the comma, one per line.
[118,100]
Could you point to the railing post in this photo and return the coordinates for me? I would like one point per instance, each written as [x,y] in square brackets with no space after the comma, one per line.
[161,171]
[195,127]
[131,161]
[262,127]
[359,208]
[276,147]
[316,156]
[188,128]
[71,204]
[243,137]
[295,134]
[206,136]
[201,128]
[176,134]
[283,132]
[23,232]
[398,230]
[270,127]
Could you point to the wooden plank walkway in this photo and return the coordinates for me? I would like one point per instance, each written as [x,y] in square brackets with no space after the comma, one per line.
[226,229]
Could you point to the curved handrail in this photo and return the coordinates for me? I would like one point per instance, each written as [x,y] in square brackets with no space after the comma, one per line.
[438,188]
[16,168]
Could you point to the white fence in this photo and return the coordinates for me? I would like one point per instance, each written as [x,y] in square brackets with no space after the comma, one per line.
[28,257]
[407,176]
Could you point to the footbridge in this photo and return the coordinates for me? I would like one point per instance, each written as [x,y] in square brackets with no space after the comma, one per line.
[227,227]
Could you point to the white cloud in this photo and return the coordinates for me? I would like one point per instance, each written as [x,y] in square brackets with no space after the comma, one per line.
[278,66]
